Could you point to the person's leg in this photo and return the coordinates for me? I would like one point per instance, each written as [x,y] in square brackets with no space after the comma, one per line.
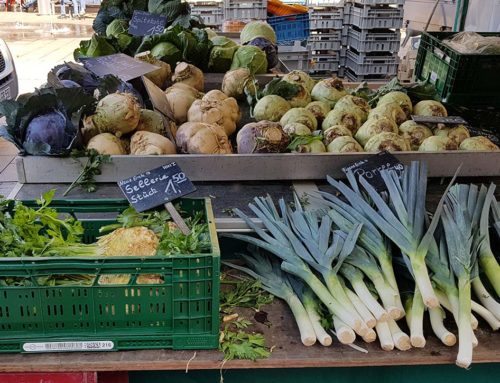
[82,7]
[63,9]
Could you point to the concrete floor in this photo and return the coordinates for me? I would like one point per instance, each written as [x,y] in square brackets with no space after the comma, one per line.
[38,43]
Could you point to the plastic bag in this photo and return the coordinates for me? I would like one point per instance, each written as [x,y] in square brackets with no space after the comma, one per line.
[472,42]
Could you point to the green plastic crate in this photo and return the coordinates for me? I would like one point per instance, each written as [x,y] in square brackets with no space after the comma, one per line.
[460,79]
[180,313]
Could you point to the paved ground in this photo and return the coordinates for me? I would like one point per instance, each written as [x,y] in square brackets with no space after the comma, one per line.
[38,43]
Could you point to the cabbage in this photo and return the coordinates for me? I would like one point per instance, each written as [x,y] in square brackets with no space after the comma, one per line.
[387,141]
[116,28]
[211,33]
[256,29]
[167,52]
[269,48]
[221,58]
[47,131]
[375,126]
[271,108]
[250,57]
[223,41]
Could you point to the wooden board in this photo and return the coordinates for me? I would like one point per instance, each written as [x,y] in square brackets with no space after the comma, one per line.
[250,167]
[287,353]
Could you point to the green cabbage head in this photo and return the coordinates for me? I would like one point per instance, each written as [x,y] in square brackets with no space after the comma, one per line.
[251,57]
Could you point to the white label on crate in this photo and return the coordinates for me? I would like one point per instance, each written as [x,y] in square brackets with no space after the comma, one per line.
[433,77]
[98,345]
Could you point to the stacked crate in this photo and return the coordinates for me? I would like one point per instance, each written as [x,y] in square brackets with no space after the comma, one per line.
[245,10]
[326,22]
[372,39]
[210,12]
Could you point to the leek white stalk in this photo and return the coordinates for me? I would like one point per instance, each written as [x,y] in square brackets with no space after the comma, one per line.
[312,307]
[344,333]
[401,340]
[371,336]
[485,298]
[303,320]
[436,316]
[384,336]
[364,261]
[355,277]
[361,308]
[414,318]
[486,315]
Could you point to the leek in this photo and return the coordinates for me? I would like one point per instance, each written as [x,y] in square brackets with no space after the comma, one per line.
[355,277]
[415,319]
[400,339]
[346,217]
[302,243]
[344,333]
[274,281]
[459,239]
[365,262]
[385,336]
[437,315]
[361,308]
[402,219]
[313,309]
[486,258]
[485,298]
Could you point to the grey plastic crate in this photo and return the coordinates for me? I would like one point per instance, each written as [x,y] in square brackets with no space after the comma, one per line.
[374,17]
[325,41]
[212,14]
[341,72]
[324,66]
[325,56]
[245,10]
[362,64]
[367,41]
[295,56]
[326,18]
[354,77]
[377,2]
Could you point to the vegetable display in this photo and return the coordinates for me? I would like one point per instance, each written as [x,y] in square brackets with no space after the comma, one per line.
[338,259]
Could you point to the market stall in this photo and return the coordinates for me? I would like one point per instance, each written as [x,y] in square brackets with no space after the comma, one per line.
[360,230]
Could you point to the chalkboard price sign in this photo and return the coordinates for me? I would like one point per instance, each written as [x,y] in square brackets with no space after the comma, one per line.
[145,24]
[122,66]
[156,187]
[370,168]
